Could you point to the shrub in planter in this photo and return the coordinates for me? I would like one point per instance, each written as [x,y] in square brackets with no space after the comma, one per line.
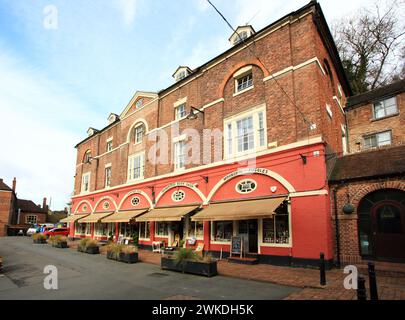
[129,254]
[59,242]
[39,238]
[187,261]
[113,251]
[82,245]
[92,247]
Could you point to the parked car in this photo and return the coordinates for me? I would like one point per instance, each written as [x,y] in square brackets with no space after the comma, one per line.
[56,232]
[32,230]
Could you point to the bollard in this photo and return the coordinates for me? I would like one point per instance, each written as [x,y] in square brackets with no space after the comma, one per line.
[322,274]
[373,281]
[361,289]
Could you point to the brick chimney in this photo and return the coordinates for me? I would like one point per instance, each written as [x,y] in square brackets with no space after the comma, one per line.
[44,206]
[14,184]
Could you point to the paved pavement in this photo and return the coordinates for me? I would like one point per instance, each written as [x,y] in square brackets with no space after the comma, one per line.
[83,276]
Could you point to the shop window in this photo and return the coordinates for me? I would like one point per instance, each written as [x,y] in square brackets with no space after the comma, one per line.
[31,219]
[88,228]
[195,229]
[127,230]
[162,229]
[80,228]
[223,230]
[276,230]
[101,229]
[144,230]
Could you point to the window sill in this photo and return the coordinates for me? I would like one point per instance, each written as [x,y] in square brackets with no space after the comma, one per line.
[243,91]
[144,239]
[221,242]
[275,245]
[243,154]
[386,117]
[158,236]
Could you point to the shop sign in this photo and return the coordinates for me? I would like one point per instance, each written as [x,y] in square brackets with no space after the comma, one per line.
[245,171]
[178,184]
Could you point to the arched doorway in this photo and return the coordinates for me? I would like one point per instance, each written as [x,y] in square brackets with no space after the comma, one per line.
[382,224]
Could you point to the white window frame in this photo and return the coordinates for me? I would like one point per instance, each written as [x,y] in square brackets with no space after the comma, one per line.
[107,185]
[109,145]
[131,168]
[177,115]
[256,128]
[376,137]
[156,229]
[238,77]
[188,222]
[385,108]
[144,225]
[85,175]
[175,155]
[138,127]
[344,139]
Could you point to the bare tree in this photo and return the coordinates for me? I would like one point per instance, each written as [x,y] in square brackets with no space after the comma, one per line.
[369,44]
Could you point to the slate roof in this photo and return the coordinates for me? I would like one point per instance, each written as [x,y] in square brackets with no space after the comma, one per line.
[372,164]
[29,206]
[377,94]
[3,186]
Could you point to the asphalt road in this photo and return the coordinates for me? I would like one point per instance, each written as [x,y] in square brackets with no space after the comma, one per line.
[83,276]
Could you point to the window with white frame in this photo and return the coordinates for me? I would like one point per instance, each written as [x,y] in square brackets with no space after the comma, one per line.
[385,108]
[244,82]
[180,111]
[162,229]
[139,103]
[86,182]
[144,230]
[31,219]
[101,229]
[377,140]
[127,230]
[108,174]
[241,37]
[139,132]
[80,228]
[109,145]
[136,166]
[88,228]
[179,155]
[245,134]
[87,156]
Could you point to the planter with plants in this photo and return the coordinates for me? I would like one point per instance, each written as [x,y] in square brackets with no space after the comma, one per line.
[59,242]
[122,253]
[39,238]
[187,261]
[89,246]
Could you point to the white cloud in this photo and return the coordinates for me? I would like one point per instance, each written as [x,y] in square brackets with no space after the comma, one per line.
[128,10]
[38,121]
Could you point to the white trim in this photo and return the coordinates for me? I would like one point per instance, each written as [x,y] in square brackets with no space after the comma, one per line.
[241,72]
[108,165]
[179,138]
[160,236]
[338,103]
[86,174]
[294,145]
[110,139]
[329,110]
[137,123]
[293,68]
[142,174]
[152,95]
[183,185]
[242,181]
[309,193]
[243,91]
[180,102]
[174,192]
[212,103]
[79,204]
[133,192]
[102,199]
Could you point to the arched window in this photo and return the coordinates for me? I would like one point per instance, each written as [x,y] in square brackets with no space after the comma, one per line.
[87,157]
[381,224]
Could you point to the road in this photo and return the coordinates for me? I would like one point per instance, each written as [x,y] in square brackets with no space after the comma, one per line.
[82,276]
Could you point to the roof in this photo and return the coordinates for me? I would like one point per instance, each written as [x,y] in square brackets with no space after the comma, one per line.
[4,187]
[29,206]
[376,94]
[371,164]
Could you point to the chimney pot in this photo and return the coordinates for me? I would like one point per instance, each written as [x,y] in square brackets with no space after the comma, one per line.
[14,184]
[44,204]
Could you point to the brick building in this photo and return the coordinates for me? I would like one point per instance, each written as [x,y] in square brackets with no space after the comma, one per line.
[368,186]
[30,213]
[235,147]
[8,200]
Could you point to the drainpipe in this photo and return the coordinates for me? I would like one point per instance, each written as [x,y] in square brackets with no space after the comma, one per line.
[336,228]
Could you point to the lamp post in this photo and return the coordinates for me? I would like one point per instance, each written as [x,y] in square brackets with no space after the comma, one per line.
[194,113]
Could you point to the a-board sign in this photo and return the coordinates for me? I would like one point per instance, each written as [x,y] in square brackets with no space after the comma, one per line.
[236,245]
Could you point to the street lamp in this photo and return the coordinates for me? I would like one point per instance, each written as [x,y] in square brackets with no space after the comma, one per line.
[194,113]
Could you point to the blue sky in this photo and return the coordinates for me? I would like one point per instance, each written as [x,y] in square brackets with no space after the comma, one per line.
[55,83]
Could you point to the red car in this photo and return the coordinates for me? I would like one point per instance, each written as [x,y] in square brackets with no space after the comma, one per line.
[56,232]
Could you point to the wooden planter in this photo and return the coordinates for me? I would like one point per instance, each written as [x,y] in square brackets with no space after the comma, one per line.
[124,257]
[208,269]
[89,250]
[39,241]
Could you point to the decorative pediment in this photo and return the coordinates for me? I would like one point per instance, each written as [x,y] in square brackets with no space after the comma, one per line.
[139,99]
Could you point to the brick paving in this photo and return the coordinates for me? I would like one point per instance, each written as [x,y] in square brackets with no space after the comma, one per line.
[389,287]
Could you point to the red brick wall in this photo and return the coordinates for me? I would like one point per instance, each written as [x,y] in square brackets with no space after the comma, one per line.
[6,211]
[348,227]
[41,217]
[360,122]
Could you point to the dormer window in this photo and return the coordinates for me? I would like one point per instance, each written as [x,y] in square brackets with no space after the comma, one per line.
[181,73]
[241,33]
[91,131]
[112,118]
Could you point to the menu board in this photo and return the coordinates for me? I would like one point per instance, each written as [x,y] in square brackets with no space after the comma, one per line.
[236,245]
